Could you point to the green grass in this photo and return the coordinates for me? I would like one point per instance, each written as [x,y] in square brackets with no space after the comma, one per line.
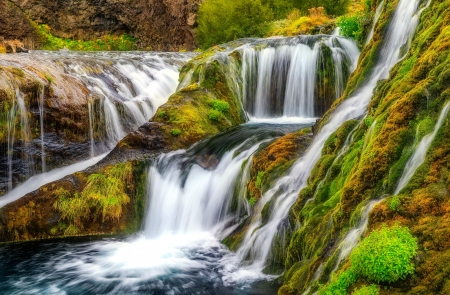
[124,42]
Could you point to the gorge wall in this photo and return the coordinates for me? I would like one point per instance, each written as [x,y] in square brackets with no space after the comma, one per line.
[164,25]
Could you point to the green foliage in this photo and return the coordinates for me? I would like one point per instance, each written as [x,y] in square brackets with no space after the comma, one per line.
[214,115]
[339,285]
[385,255]
[369,121]
[332,7]
[161,114]
[175,132]
[221,21]
[106,191]
[259,179]
[73,208]
[280,8]
[395,203]
[108,42]
[252,201]
[367,290]
[350,26]
[220,105]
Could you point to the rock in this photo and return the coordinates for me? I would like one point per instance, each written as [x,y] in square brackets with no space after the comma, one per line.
[14,46]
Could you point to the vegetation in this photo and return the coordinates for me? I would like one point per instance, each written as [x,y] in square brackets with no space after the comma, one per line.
[105,43]
[385,255]
[105,194]
[367,290]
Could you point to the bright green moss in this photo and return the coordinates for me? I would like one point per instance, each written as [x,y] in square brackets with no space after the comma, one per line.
[367,290]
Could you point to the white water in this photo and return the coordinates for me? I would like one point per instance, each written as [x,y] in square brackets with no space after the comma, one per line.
[375,20]
[258,240]
[39,180]
[280,80]
[418,157]
[122,92]
[41,122]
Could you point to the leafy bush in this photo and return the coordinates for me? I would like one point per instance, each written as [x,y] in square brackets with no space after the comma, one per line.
[175,132]
[395,203]
[385,255]
[350,26]
[252,201]
[367,290]
[340,285]
[214,115]
[332,7]
[220,105]
[221,21]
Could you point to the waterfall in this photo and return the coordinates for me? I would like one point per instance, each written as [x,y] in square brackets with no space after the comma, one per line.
[258,240]
[41,124]
[281,79]
[418,157]
[117,91]
[375,20]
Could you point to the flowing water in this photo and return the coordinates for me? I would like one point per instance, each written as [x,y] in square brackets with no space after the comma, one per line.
[118,92]
[195,197]
[179,249]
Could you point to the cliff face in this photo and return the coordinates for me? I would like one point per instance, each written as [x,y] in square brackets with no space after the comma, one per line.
[165,25]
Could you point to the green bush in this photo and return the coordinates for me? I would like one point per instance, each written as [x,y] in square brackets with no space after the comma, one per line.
[332,7]
[214,115]
[340,285]
[221,21]
[175,132]
[395,203]
[220,105]
[367,290]
[350,26]
[252,201]
[259,179]
[385,255]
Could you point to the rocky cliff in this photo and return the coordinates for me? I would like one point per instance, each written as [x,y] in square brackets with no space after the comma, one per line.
[165,25]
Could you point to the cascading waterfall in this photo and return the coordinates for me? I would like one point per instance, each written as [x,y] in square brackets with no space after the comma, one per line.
[375,20]
[123,90]
[258,240]
[282,79]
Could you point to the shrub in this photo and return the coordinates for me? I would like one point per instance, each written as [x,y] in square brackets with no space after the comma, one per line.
[395,203]
[332,7]
[221,21]
[220,105]
[350,26]
[367,290]
[214,115]
[175,132]
[340,285]
[385,255]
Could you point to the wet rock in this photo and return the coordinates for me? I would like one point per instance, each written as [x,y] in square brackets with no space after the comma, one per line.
[208,162]
[14,46]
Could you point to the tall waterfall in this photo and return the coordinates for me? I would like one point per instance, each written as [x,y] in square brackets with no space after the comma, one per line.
[258,240]
[114,93]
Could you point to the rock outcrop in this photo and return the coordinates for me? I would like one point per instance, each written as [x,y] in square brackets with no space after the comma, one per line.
[165,25]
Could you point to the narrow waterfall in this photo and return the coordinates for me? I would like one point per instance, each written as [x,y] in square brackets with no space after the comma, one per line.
[418,157]
[283,78]
[106,95]
[258,240]
[375,20]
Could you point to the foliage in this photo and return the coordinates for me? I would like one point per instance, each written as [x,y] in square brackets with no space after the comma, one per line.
[105,43]
[252,201]
[259,179]
[395,203]
[332,7]
[367,290]
[385,255]
[220,105]
[73,208]
[339,285]
[351,26]
[297,24]
[214,115]
[175,132]
[221,21]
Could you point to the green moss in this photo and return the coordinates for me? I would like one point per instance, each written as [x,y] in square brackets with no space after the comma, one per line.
[214,115]
[108,42]
[367,290]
